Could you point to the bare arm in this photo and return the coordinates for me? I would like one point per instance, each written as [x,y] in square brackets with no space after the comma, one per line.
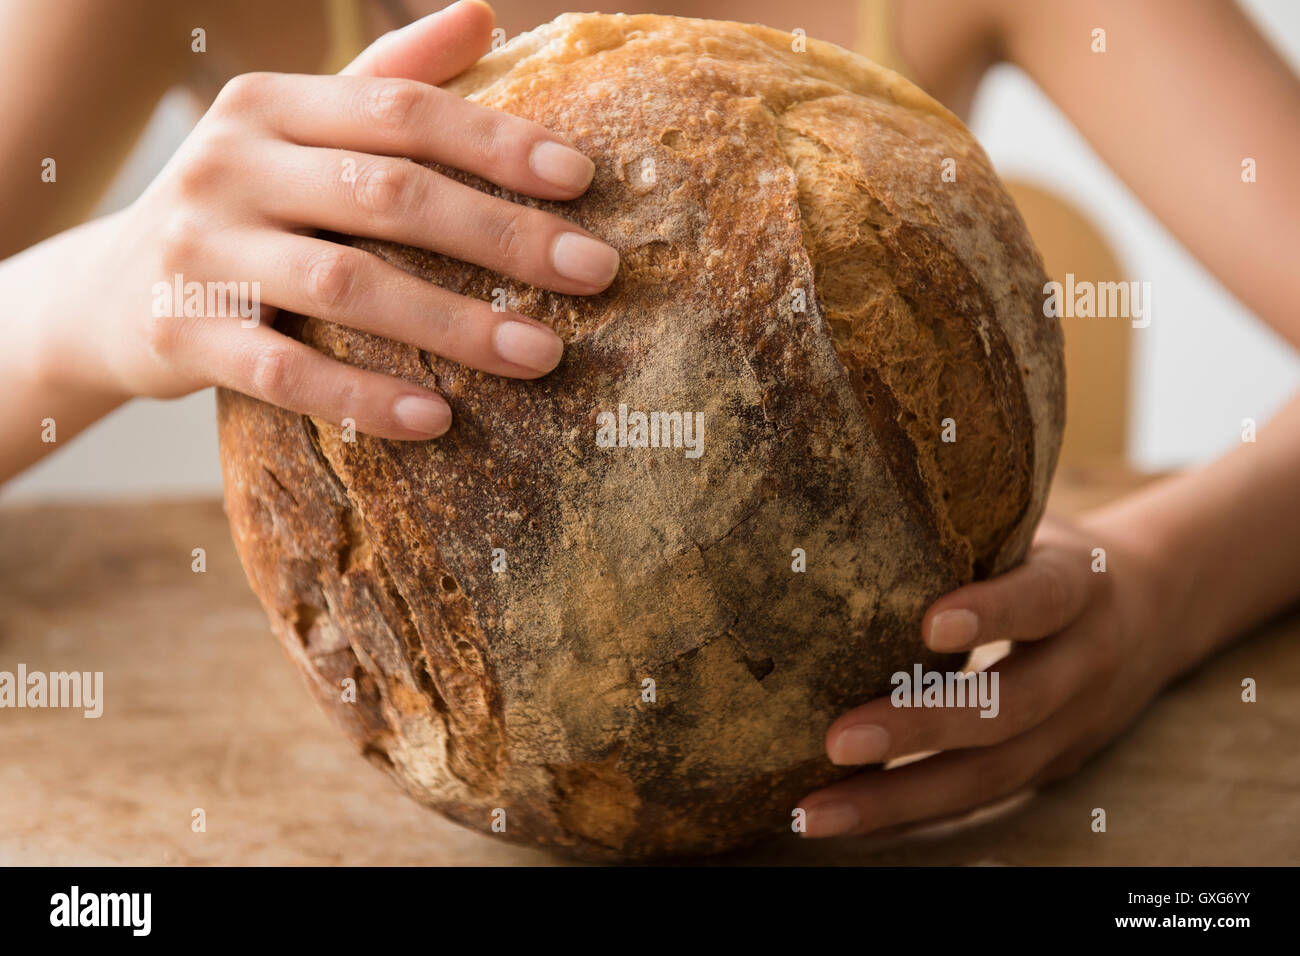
[1186,90]
[82,78]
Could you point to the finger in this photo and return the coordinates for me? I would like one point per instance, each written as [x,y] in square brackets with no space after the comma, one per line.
[1070,762]
[350,287]
[1021,693]
[398,117]
[938,786]
[1035,600]
[432,49]
[385,198]
[263,363]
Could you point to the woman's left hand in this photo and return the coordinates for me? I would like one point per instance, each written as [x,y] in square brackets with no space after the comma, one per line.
[1091,648]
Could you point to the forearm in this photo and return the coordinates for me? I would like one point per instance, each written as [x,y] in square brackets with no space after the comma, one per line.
[47,370]
[1227,536]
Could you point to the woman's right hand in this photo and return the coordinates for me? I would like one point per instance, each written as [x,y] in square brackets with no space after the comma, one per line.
[279,156]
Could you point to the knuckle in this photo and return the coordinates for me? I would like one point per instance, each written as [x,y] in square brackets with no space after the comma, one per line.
[274,370]
[329,277]
[391,104]
[447,318]
[201,171]
[162,335]
[242,91]
[219,140]
[438,331]
[509,235]
[182,241]
[489,137]
[381,188]
[350,398]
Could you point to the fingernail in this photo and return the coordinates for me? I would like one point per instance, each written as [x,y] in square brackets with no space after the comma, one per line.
[831,819]
[528,345]
[561,166]
[585,260]
[426,416]
[865,743]
[953,630]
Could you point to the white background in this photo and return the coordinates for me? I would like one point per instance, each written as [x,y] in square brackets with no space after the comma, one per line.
[1203,365]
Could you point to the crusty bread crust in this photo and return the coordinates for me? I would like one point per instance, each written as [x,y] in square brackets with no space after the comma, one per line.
[774,171]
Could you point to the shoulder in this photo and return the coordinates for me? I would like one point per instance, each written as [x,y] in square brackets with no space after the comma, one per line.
[949,44]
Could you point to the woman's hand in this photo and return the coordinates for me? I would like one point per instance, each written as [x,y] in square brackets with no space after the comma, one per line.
[1091,649]
[279,156]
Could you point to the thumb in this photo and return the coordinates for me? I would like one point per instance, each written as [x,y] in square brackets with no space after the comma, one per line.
[433,49]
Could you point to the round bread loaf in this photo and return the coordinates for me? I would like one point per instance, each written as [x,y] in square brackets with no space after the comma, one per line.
[625,651]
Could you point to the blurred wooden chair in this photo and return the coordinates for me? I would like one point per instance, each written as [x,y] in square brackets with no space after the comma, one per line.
[1098,351]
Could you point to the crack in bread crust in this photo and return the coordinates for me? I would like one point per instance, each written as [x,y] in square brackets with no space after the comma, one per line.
[914,326]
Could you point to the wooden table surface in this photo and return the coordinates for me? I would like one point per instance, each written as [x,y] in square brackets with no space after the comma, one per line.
[202,710]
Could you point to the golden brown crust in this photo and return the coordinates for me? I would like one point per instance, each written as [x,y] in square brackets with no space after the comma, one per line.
[773,172]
